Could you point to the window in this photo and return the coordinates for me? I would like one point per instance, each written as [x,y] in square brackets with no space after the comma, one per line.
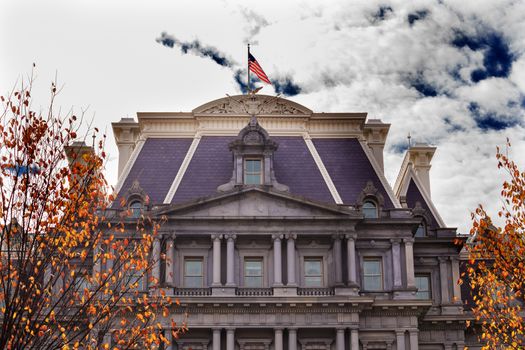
[253,272]
[422,229]
[136,209]
[370,210]
[423,287]
[193,273]
[313,272]
[253,171]
[372,274]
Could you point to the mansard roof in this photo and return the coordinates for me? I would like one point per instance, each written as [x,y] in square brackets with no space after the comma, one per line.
[322,157]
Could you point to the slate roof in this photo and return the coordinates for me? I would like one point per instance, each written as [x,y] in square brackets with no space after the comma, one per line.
[413,196]
[212,165]
[156,166]
[349,168]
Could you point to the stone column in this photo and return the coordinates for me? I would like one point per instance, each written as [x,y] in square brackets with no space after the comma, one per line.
[278,342]
[216,339]
[340,339]
[400,340]
[290,258]
[409,260]
[230,253]
[414,341]
[216,238]
[443,279]
[350,251]
[230,339]
[155,271]
[292,339]
[455,277]
[354,339]
[169,336]
[396,262]
[277,263]
[97,258]
[338,260]
[170,261]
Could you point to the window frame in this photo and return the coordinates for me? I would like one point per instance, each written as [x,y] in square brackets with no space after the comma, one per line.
[428,276]
[245,276]
[321,270]
[246,173]
[202,275]
[381,274]
[134,213]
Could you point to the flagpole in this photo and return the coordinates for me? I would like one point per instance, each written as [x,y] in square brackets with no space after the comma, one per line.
[248,69]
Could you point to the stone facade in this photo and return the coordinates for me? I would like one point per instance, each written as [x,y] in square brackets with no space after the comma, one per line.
[282,232]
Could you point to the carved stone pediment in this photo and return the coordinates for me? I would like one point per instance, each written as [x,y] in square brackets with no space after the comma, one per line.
[252,105]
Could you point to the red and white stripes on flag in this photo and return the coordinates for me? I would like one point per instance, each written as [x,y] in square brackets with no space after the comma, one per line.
[255,67]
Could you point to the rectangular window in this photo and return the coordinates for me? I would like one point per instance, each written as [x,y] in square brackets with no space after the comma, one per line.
[253,272]
[372,274]
[253,171]
[423,287]
[193,273]
[313,272]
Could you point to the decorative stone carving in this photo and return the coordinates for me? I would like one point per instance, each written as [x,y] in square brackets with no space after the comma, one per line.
[420,211]
[253,104]
[370,191]
[135,192]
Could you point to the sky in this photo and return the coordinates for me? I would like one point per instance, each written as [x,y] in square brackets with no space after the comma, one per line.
[450,73]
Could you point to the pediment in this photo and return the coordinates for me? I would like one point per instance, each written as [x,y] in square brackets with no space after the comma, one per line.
[260,105]
[254,202]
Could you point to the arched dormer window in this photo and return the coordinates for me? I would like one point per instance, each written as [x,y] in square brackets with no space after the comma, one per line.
[370,201]
[422,228]
[425,221]
[136,208]
[369,209]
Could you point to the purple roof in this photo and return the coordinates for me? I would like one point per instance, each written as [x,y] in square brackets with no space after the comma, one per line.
[295,167]
[414,195]
[210,167]
[156,166]
[349,168]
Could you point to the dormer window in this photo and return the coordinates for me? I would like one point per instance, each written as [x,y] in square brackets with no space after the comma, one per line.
[369,210]
[422,229]
[136,209]
[253,171]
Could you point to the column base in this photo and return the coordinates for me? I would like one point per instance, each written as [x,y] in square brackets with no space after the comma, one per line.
[223,291]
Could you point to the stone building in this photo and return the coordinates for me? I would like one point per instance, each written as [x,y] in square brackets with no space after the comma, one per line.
[283,233]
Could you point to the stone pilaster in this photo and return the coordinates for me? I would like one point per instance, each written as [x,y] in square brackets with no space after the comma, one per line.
[396,263]
[216,345]
[340,339]
[409,261]
[338,260]
[277,261]
[292,339]
[278,341]
[290,258]
[230,339]
[216,239]
[170,260]
[230,253]
[400,339]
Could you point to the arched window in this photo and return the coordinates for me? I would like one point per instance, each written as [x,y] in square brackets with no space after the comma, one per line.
[422,229]
[136,208]
[369,210]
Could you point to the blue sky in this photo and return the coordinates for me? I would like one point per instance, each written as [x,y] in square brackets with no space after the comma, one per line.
[452,73]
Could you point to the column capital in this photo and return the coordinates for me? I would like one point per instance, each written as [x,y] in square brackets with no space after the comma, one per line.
[278,329]
[442,259]
[340,329]
[351,235]
[337,236]
[170,237]
[400,331]
[453,258]
[395,241]
[408,241]
[277,237]
[291,236]
[216,236]
[230,236]
[156,238]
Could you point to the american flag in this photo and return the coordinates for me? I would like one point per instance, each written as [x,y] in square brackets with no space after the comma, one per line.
[255,67]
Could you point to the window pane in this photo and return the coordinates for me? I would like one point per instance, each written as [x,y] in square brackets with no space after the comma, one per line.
[136,209]
[313,281]
[423,287]
[421,230]
[312,267]
[372,283]
[369,210]
[372,267]
[193,267]
[253,165]
[192,282]
[253,282]
[253,268]
[253,179]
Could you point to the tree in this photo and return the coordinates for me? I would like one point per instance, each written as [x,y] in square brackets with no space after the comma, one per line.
[496,265]
[67,279]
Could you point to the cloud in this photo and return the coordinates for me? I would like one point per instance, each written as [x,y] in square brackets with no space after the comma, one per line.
[282,84]
[254,23]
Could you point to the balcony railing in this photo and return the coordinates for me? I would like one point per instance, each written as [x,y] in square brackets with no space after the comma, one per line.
[192,292]
[321,292]
[254,292]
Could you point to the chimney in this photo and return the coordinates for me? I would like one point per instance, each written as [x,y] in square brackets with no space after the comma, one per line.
[375,133]
[420,156]
[126,133]
[75,152]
